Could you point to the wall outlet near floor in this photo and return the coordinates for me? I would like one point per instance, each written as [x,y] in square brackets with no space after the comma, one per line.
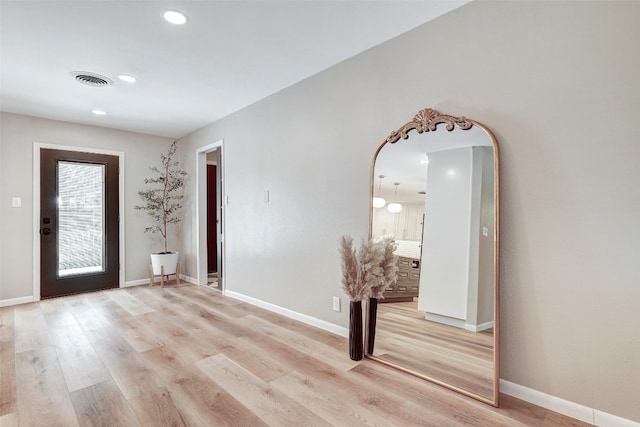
[336,303]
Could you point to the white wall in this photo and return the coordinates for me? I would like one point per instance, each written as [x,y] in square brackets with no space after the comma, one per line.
[17,135]
[558,84]
[446,244]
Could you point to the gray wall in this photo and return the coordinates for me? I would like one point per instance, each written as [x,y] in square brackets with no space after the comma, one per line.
[558,84]
[17,135]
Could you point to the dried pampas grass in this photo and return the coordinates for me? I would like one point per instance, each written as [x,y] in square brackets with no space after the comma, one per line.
[367,271]
[389,266]
[370,258]
[350,283]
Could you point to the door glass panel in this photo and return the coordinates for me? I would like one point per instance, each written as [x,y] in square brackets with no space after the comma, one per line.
[81,218]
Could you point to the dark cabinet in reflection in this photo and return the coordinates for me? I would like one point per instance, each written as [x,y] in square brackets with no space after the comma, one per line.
[408,284]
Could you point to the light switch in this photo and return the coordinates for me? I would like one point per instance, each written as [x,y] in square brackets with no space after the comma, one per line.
[485,231]
[266,196]
[16,202]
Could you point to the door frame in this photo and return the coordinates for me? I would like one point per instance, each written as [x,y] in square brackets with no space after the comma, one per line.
[201,214]
[37,146]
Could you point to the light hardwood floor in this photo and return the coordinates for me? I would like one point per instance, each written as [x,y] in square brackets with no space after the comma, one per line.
[449,354]
[188,356]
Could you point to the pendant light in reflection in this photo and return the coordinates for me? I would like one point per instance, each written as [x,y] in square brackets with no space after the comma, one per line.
[379,202]
[395,207]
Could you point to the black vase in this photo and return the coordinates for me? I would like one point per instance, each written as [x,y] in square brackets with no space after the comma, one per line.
[356,343]
[373,314]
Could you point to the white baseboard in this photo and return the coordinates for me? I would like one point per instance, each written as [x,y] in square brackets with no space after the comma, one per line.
[565,407]
[603,419]
[16,301]
[136,283]
[457,323]
[338,330]
[188,279]
[479,328]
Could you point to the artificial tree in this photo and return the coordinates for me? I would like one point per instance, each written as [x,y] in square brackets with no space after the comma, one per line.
[162,201]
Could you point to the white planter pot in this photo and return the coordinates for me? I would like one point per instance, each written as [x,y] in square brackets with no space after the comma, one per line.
[169,261]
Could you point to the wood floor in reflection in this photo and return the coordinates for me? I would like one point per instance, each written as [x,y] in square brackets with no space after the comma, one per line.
[446,353]
[188,356]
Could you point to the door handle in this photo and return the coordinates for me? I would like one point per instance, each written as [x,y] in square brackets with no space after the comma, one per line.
[45,231]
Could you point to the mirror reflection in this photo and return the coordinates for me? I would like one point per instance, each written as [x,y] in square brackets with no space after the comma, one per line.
[435,194]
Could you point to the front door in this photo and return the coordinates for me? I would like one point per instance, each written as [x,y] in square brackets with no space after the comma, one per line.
[79,236]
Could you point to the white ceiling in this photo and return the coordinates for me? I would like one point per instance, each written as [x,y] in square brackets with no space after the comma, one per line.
[229,55]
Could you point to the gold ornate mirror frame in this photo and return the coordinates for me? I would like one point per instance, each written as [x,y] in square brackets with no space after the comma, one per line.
[430,121]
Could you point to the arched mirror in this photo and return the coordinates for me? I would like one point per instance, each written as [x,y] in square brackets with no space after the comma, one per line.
[434,190]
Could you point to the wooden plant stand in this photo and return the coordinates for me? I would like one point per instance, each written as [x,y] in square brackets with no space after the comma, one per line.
[162,275]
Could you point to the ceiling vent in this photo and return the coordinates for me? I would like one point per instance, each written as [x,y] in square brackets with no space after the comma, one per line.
[91,79]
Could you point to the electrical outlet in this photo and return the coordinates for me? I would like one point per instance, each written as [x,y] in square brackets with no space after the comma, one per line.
[336,303]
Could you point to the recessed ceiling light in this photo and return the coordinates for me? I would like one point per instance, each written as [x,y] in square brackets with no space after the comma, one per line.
[127,78]
[174,17]
[99,112]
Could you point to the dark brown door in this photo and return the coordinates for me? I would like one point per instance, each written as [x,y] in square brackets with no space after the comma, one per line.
[212,219]
[79,236]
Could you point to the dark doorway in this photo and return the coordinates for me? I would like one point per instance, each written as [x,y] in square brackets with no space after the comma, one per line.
[79,216]
[212,219]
